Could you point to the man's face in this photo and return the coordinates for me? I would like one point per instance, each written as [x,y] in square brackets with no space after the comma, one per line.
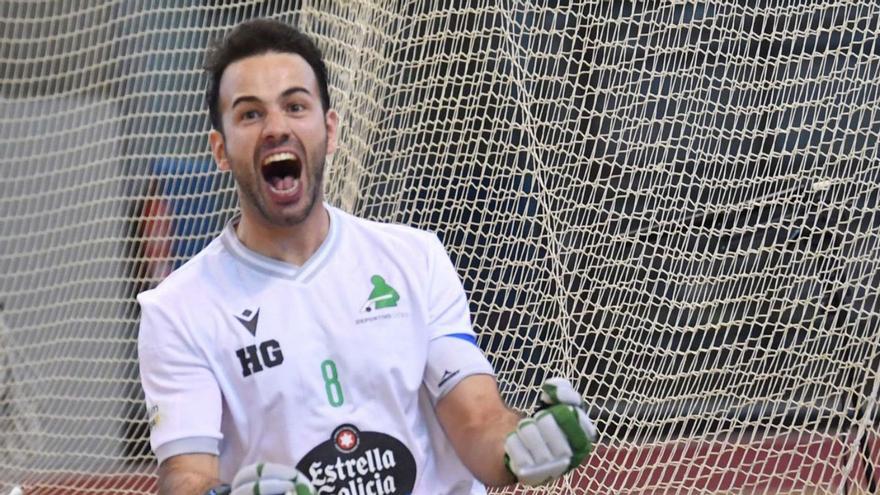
[276,136]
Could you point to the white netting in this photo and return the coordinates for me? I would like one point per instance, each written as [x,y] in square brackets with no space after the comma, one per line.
[674,203]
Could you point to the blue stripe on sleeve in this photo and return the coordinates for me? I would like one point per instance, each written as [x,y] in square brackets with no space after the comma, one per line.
[463,336]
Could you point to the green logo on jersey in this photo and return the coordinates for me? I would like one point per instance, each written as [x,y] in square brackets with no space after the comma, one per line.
[382,296]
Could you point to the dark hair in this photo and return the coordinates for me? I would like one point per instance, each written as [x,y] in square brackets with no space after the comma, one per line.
[255,37]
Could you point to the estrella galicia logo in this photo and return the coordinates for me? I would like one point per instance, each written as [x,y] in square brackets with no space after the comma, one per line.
[382,296]
[354,462]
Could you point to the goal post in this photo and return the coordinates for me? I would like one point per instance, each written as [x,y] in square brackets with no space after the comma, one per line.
[675,204]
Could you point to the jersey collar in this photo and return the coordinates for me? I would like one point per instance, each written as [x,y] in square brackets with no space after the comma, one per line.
[276,268]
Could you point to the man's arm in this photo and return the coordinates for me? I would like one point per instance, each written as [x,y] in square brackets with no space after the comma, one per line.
[477,421]
[182,396]
[188,474]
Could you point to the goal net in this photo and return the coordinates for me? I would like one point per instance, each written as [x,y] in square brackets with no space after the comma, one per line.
[673,203]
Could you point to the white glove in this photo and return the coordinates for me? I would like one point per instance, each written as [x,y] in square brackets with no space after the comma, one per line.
[553,441]
[264,478]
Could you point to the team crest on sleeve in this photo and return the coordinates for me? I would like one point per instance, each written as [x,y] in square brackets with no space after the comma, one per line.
[153,415]
[354,462]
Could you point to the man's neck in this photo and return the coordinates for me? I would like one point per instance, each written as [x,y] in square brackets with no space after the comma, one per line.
[294,244]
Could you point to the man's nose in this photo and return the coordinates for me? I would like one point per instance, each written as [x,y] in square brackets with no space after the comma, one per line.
[275,129]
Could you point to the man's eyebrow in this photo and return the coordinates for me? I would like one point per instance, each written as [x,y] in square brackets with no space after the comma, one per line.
[295,89]
[244,99]
[287,92]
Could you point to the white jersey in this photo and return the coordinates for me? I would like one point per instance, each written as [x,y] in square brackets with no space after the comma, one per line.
[327,366]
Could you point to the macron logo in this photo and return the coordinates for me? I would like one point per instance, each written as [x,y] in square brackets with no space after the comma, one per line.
[249,319]
[447,375]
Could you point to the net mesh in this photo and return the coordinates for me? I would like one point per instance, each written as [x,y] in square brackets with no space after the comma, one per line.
[673,203]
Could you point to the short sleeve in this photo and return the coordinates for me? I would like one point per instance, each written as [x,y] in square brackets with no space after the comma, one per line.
[183,398]
[448,311]
[453,353]
[451,359]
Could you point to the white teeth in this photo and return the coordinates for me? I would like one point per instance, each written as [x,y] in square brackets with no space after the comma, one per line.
[278,157]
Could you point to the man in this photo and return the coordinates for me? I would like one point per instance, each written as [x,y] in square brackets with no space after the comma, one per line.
[306,338]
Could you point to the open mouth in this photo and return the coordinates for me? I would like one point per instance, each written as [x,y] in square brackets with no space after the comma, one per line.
[281,171]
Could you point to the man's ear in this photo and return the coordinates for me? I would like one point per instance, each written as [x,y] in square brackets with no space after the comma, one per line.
[218,149]
[331,118]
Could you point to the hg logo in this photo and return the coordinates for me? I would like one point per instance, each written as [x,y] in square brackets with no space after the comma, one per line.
[253,360]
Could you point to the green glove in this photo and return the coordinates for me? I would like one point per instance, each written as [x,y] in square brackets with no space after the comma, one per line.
[264,478]
[553,441]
